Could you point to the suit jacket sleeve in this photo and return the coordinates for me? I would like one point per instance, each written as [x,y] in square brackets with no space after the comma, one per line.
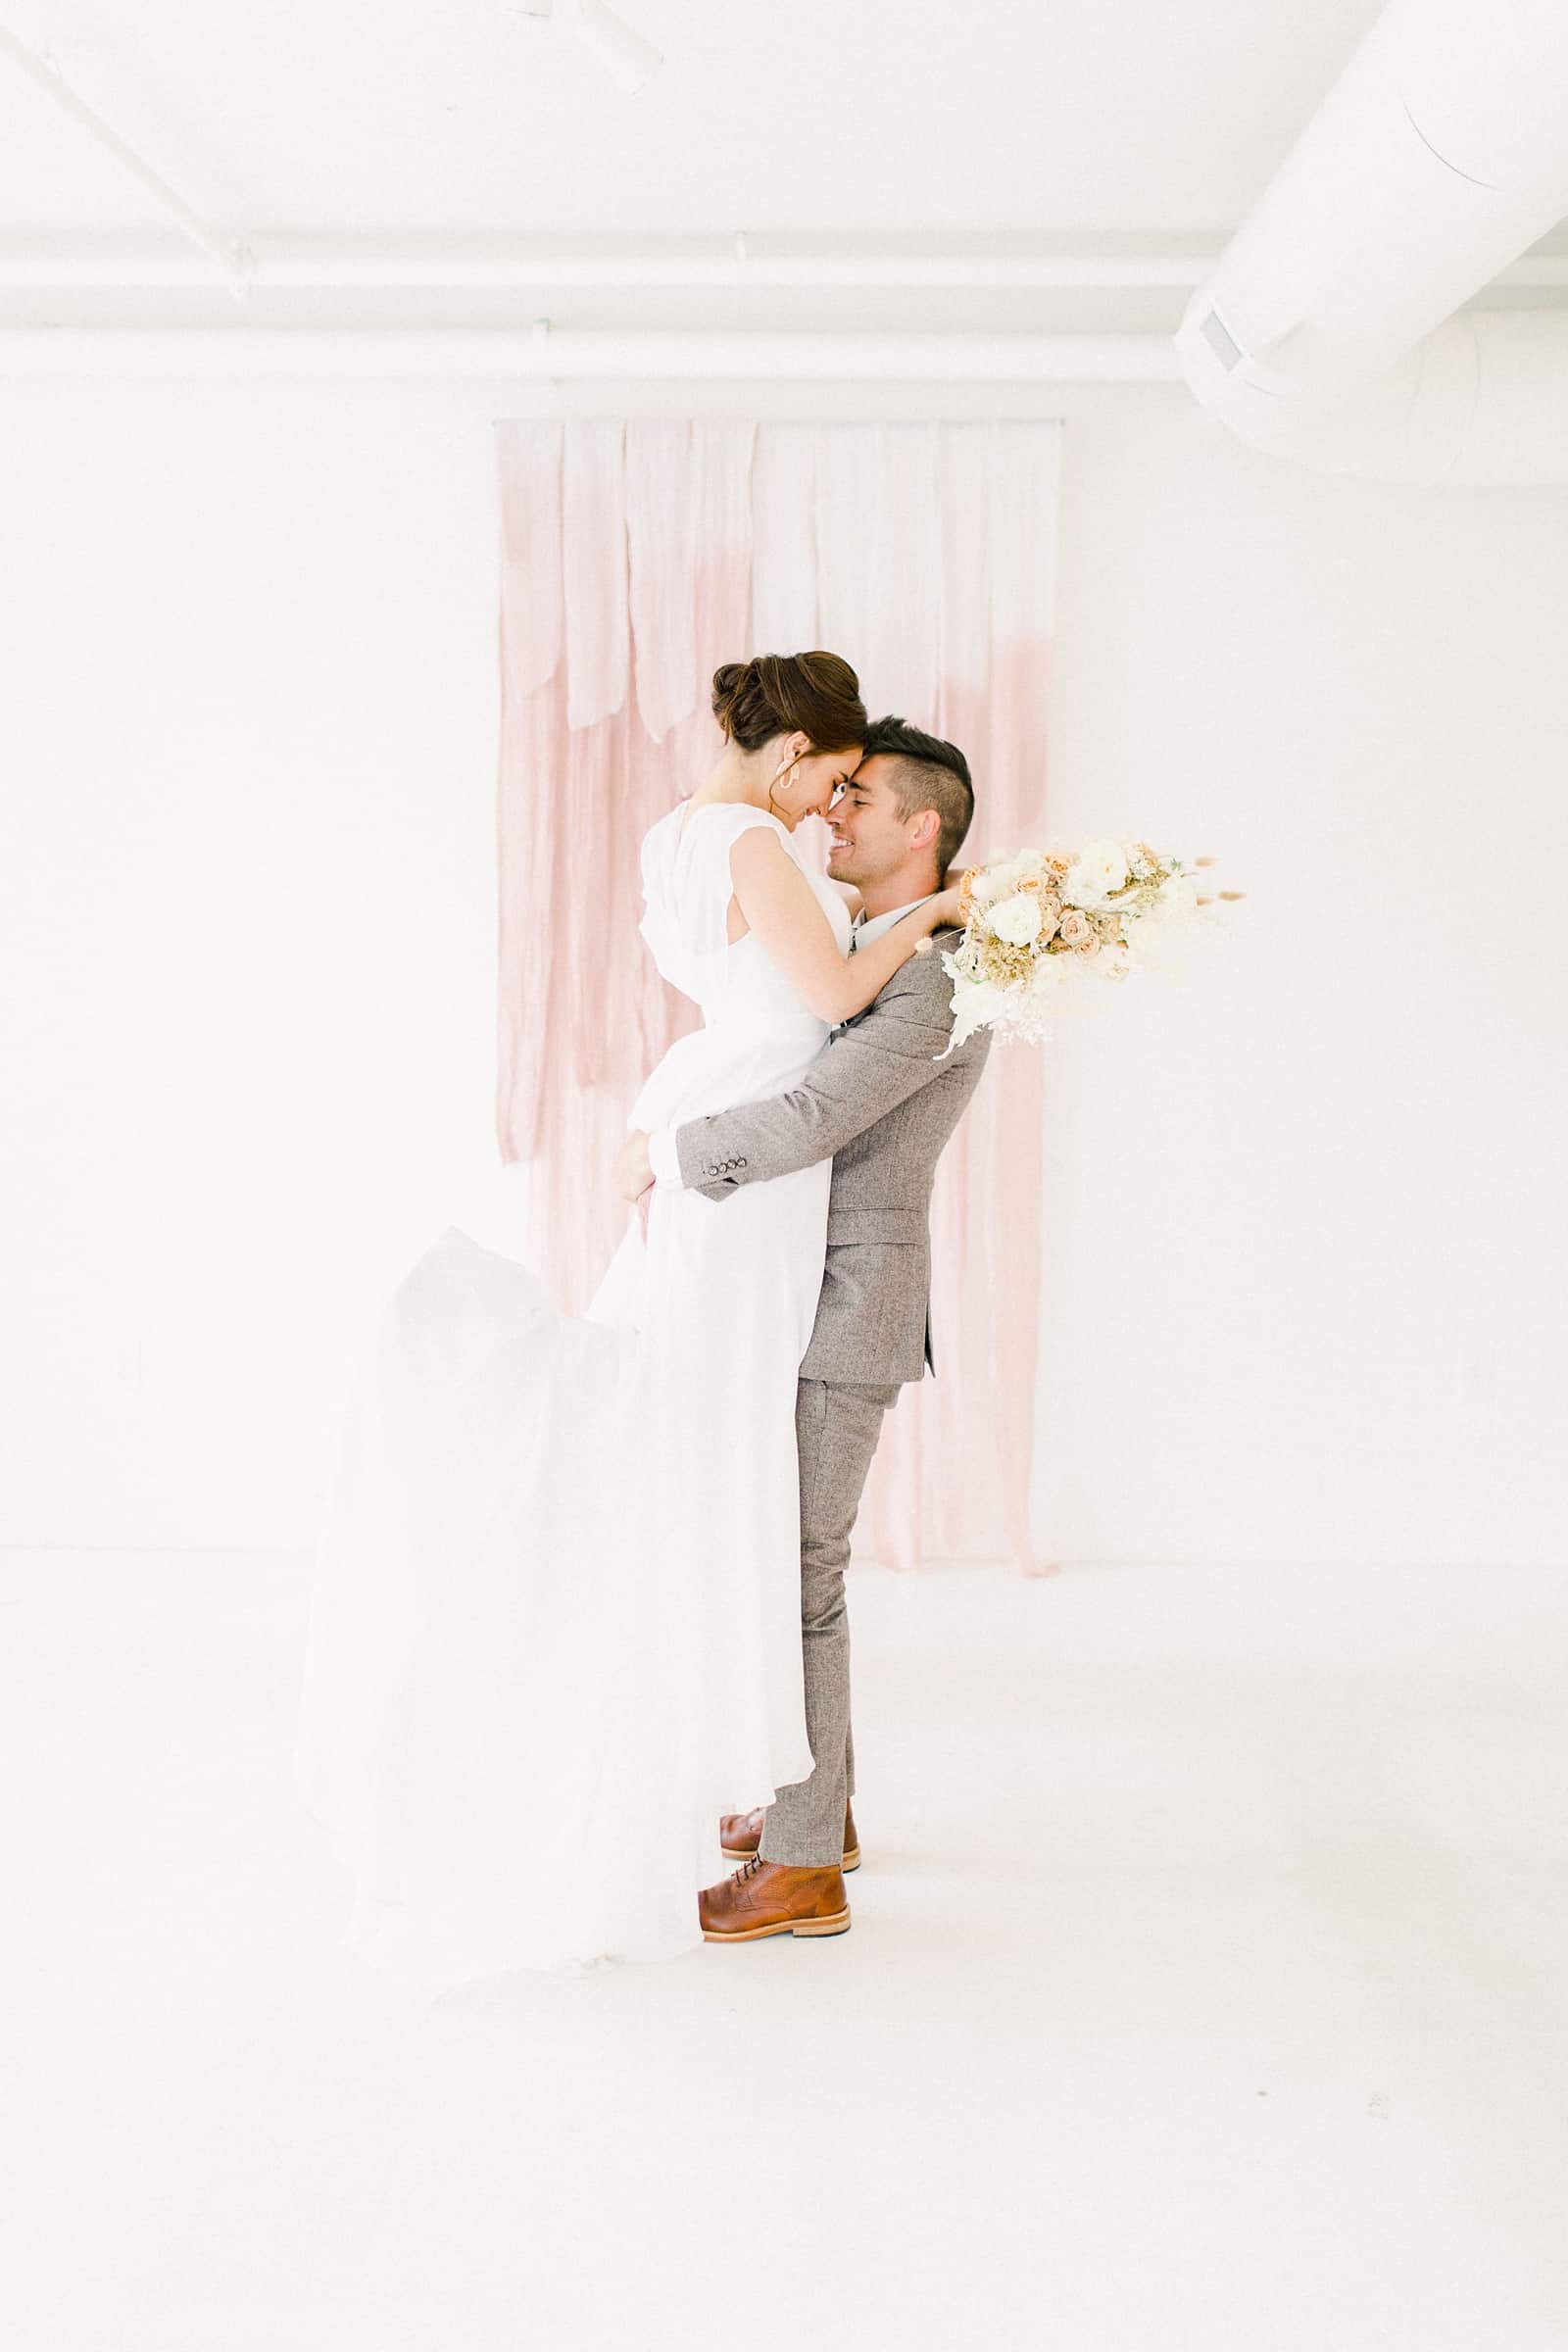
[876,1062]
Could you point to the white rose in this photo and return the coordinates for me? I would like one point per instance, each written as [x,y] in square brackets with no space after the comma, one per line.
[1002,878]
[1099,869]
[1017,920]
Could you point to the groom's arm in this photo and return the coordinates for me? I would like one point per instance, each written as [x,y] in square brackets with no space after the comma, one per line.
[874,1063]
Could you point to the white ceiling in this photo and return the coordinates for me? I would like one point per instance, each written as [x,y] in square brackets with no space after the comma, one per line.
[822,115]
[985,127]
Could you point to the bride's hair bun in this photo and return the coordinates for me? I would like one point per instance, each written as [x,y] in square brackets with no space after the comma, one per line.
[775,694]
[730,683]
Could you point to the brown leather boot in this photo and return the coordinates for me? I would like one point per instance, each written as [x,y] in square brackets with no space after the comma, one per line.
[741,1833]
[773,1898]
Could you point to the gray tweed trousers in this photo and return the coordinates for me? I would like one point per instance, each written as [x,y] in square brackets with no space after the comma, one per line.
[837,1425]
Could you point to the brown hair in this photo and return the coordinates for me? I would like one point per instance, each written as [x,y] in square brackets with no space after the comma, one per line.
[773,694]
[924,772]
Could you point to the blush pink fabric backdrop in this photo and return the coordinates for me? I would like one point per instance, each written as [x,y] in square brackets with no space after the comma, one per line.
[638,555]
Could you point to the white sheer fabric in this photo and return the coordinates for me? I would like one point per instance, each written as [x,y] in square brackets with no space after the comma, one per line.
[555,1624]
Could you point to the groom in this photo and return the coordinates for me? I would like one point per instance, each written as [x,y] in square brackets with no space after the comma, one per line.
[881,1105]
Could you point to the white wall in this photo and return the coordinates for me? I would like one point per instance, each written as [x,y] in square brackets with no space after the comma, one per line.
[1306,1294]
[1304,1230]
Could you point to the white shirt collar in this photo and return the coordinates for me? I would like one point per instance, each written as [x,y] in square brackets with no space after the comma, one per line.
[868,927]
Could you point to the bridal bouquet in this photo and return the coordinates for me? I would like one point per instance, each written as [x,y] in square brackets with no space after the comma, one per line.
[1045,927]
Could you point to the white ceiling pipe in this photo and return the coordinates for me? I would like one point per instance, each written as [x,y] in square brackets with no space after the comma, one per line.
[229,257]
[582,355]
[446,265]
[629,60]
[1439,156]
[1482,399]
[295,265]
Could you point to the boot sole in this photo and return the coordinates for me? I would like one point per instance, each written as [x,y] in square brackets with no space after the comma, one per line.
[835,1924]
[744,1853]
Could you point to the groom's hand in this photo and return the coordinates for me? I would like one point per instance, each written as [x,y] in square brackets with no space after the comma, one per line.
[634,1171]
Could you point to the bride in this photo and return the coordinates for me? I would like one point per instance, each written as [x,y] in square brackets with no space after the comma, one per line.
[555,1631]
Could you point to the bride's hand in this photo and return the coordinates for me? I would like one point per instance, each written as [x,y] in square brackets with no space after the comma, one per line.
[633,1170]
[947,904]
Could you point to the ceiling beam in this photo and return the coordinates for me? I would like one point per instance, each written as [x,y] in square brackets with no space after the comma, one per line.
[458,264]
[545,353]
[45,76]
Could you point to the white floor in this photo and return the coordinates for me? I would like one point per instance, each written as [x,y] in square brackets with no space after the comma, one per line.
[1206,1988]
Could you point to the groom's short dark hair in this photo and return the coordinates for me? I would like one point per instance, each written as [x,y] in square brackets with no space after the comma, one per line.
[926,774]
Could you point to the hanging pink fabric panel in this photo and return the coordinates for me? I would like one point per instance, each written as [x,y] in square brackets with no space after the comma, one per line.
[661,557]
[635,557]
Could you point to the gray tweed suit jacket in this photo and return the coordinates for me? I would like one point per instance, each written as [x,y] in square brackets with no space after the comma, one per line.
[882,1107]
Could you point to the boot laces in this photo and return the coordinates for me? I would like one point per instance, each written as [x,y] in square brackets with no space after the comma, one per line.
[749,1868]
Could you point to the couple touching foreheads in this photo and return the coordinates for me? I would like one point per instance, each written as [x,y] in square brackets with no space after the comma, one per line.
[580,1588]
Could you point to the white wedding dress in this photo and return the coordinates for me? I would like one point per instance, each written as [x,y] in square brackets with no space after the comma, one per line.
[555,1629]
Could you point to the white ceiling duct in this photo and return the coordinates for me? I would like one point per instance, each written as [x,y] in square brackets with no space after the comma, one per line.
[1325,334]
